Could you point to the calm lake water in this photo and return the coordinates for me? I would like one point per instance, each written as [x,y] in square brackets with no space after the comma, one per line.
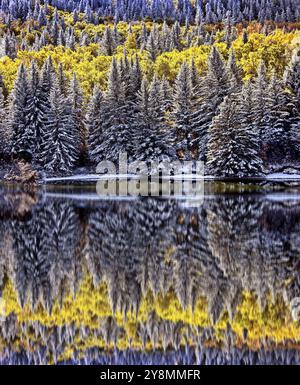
[214,280]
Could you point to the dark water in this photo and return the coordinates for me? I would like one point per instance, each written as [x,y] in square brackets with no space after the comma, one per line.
[153,281]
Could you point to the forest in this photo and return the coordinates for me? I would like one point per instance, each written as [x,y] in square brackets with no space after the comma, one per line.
[83,81]
[149,281]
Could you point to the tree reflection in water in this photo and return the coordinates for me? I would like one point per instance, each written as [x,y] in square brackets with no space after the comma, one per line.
[149,281]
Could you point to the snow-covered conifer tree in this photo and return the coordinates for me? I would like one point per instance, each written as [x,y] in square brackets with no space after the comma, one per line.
[38,104]
[60,147]
[75,95]
[152,136]
[234,73]
[292,75]
[108,44]
[233,146]
[117,136]
[22,136]
[94,123]
[183,112]
[214,87]
[62,80]
[4,127]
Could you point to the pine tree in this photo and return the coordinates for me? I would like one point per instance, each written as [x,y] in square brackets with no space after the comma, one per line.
[108,45]
[234,73]
[292,75]
[75,95]
[5,133]
[38,104]
[167,95]
[152,138]
[95,125]
[295,138]
[60,146]
[62,80]
[22,136]
[48,77]
[214,87]
[117,136]
[261,112]
[233,147]
[280,106]
[183,112]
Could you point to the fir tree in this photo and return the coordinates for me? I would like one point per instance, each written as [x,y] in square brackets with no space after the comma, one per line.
[234,73]
[214,87]
[183,112]
[75,95]
[62,80]
[117,136]
[233,148]
[152,138]
[261,111]
[60,146]
[22,136]
[95,125]
[38,104]
[108,45]
[276,136]
[5,133]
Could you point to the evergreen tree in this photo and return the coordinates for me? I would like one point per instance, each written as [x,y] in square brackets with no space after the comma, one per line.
[22,136]
[183,112]
[214,87]
[75,95]
[152,138]
[47,78]
[117,136]
[4,127]
[234,73]
[280,118]
[167,95]
[233,147]
[108,45]
[38,104]
[62,80]
[95,125]
[60,146]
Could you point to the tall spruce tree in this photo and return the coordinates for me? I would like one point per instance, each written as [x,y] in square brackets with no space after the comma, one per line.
[95,125]
[22,134]
[234,73]
[261,106]
[75,95]
[117,135]
[292,84]
[152,136]
[183,96]
[233,147]
[37,106]
[5,132]
[60,147]
[292,75]
[280,111]
[214,87]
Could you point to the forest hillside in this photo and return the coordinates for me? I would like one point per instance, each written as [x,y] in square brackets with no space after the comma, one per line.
[214,81]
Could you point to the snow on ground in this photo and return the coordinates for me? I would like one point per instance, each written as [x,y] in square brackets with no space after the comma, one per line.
[88,177]
[283,176]
[96,177]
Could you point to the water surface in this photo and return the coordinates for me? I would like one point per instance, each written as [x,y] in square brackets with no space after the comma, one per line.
[154,281]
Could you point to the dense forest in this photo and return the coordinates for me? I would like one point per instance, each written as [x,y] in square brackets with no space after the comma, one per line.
[83,81]
[149,280]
